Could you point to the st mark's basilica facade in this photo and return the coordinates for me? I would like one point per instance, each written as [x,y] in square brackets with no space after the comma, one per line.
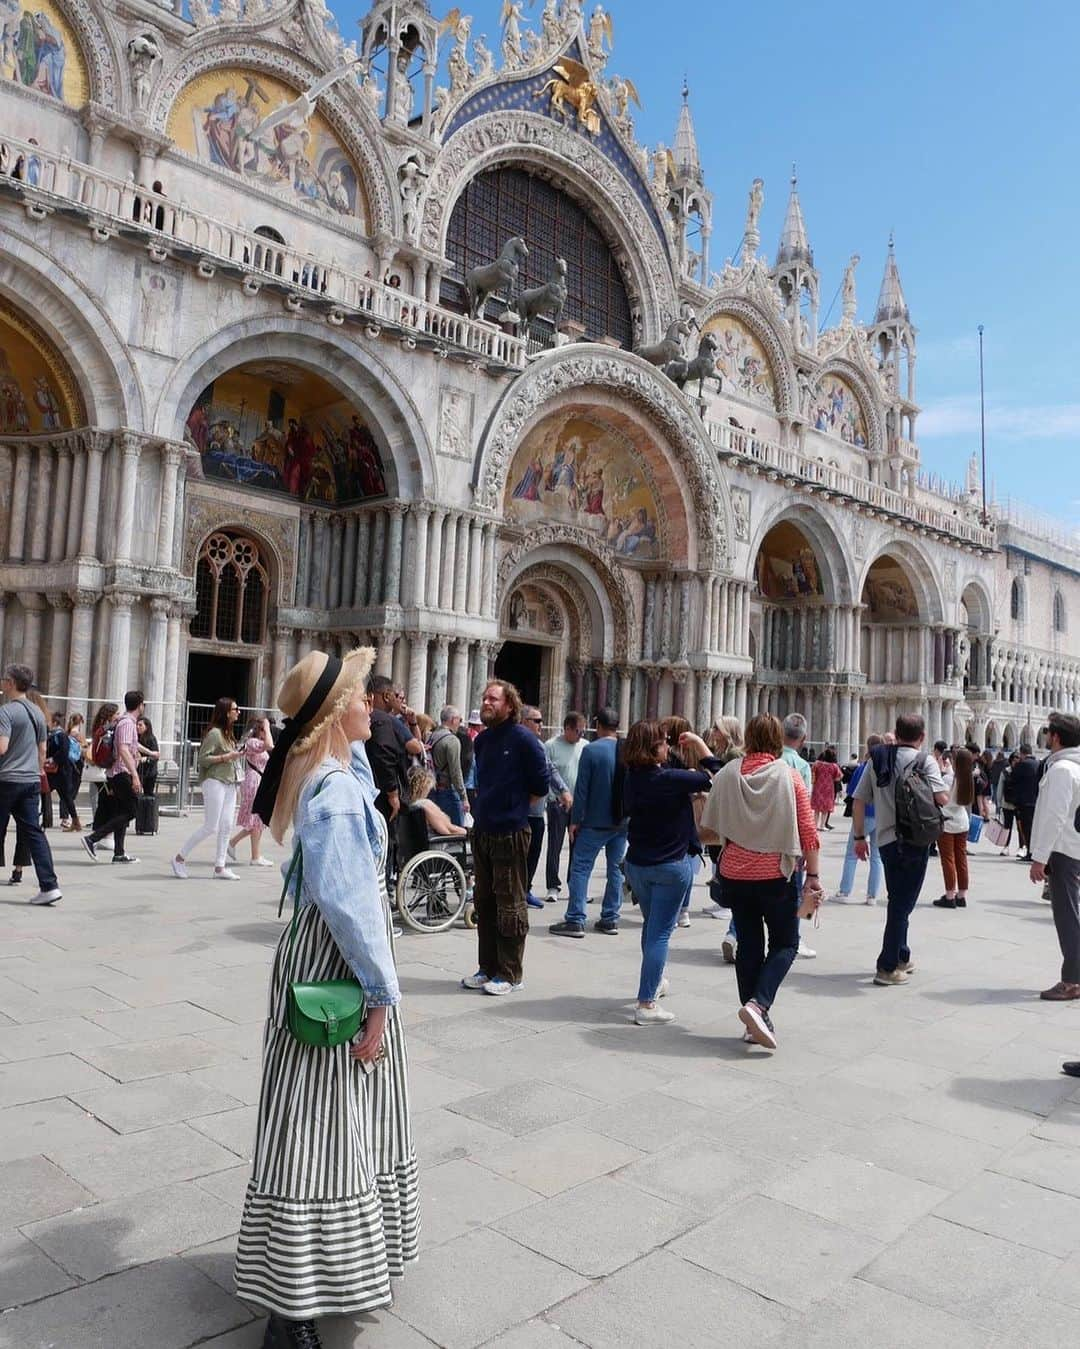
[307,341]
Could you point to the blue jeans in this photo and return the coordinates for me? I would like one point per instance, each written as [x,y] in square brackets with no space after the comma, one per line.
[659,892]
[847,880]
[695,862]
[21,801]
[905,870]
[447,799]
[587,847]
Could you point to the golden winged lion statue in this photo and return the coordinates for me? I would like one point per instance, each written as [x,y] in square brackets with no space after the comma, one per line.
[572,85]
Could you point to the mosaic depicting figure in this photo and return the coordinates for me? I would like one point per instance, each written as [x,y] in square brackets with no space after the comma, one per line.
[33,48]
[787,567]
[740,360]
[32,383]
[835,410]
[248,431]
[576,472]
[888,594]
[253,125]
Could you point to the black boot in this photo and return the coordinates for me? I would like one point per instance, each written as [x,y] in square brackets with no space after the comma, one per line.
[301,1335]
[275,1334]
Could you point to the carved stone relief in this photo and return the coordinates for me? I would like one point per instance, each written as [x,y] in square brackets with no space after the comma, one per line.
[455,423]
[740,514]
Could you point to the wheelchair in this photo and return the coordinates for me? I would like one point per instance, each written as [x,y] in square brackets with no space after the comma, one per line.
[434,875]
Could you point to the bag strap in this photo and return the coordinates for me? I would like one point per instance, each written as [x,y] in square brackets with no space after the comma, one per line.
[297,866]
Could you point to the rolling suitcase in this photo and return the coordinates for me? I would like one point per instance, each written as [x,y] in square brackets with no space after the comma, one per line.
[146,815]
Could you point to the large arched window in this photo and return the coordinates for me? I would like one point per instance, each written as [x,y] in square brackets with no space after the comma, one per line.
[231,591]
[1059,611]
[1016,600]
[508,202]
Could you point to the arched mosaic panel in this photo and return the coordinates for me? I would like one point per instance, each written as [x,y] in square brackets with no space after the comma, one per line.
[741,360]
[836,411]
[38,393]
[38,48]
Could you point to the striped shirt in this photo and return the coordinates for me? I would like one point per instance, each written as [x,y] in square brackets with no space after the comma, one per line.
[743,864]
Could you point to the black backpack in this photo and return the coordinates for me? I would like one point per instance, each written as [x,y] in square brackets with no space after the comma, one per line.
[919,820]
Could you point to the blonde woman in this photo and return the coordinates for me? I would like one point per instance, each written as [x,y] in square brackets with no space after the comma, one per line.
[331,1213]
[421,785]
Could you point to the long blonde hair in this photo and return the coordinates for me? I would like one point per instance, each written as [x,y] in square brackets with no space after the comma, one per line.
[330,743]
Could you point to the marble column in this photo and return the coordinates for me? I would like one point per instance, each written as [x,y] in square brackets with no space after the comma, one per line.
[39,520]
[348,562]
[723,636]
[602,672]
[490,576]
[81,645]
[75,502]
[337,543]
[649,619]
[577,675]
[55,680]
[435,557]
[421,514]
[279,655]
[418,671]
[61,506]
[119,643]
[475,598]
[460,599]
[436,698]
[740,700]
[392,585]
[20,503]
[172,455]
[652,691]
[156,656]
[130,450]
[682,647]
[303,560]
[678,692]
[458,686]
[377,575]
[715,684]
[665,620]
[172,671]
[449,562]
[33,618]
[626,688]
[363,564]
[384,655]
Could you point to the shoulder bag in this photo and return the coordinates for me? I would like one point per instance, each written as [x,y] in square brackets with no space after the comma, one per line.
[324,1014]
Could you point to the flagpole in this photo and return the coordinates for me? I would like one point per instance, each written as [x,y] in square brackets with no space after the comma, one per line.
[982,425]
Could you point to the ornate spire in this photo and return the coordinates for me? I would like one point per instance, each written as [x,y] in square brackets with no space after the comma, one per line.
[891,303]
[794,243]
[685,151]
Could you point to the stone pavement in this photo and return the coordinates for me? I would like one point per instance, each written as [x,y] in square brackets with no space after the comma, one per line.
[903,1170]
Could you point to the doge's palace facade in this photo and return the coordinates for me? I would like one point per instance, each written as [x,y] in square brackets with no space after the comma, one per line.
[306,342]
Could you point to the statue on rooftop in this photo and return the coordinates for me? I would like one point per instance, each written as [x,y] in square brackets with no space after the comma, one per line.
[848,299]
[511,43]
[484,58]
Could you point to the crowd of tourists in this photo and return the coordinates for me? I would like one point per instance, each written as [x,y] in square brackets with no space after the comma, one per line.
[745,806]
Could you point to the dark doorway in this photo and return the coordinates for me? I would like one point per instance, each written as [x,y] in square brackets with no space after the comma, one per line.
[520,663]
[210,678]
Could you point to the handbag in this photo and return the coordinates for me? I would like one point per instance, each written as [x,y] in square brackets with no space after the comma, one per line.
[326,1013]
[996,833]
[975,829]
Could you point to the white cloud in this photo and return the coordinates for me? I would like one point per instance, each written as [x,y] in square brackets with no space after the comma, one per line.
[959,416]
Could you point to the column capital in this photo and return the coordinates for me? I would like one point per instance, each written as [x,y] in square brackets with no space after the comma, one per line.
[679,673]
[442,641]
[131,443]
[161,605]
[395,507]
[84,599]
[421,509]
[97,442]
[32,600]
[337,521]
[173,451]
[279,632]
[59,599]
[122,599]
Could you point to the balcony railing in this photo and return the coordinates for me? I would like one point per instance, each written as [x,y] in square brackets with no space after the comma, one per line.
[733,442]
[51,182]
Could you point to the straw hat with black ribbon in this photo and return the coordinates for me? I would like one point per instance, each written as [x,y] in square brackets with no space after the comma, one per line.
[316,691]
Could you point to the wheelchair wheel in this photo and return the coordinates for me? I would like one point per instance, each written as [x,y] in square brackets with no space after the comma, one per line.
[431,891]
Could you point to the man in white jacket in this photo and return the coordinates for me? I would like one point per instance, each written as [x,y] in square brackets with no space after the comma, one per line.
[1055,848]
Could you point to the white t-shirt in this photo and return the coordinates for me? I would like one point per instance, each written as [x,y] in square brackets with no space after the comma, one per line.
[884,798]
[957,820]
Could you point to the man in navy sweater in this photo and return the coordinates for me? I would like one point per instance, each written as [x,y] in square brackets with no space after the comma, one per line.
[511,775]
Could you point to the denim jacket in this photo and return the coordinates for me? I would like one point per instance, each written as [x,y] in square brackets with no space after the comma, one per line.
[341,836]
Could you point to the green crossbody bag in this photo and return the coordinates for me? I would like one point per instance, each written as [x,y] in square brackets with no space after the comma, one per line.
[324,1014]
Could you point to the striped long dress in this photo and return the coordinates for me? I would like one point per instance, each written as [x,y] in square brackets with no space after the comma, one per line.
[332,1207]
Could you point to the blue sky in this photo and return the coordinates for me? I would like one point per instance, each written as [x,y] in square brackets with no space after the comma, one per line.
[954,125]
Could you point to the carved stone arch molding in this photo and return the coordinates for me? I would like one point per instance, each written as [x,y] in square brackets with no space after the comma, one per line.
[530,140]
[100,50]
[277,533]
[351,121]
[640,386]
[864,391]
[773,337]
[597,561]
[550,576]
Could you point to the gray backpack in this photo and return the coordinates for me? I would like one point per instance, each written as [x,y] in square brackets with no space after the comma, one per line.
[919,820]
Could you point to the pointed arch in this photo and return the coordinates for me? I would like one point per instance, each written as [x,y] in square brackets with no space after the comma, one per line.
[773,337]
[861,387]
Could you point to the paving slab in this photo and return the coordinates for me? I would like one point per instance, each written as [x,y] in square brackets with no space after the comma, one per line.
[33,1188]
[156,1058]
[859,1314]
[442,1302]
[911,1149]
[697,1310]
[72,1034]
[125,1164]
[524,1108]
[130,1106]
[167,1305]
[233,1129]
[26,1130]
[27,1273]
[778,1251]
[598,1227]
[1013,1209]
[704,1176]
[558,1158]
[44,1078]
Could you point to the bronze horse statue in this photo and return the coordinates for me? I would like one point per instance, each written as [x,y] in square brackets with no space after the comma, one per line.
[548,299]
[480,282]
[670,348]
[682,371]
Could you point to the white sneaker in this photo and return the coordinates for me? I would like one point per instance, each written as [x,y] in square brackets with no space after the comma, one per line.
[728,949]
[871,900]
[179,869]
[684,919]
[715,911]
[806,952]
[756,1021]
[553,894]
[652,1016]
[225,874]
[497,987]
[46,896]
[477,980]
[841,898]
[260,862]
